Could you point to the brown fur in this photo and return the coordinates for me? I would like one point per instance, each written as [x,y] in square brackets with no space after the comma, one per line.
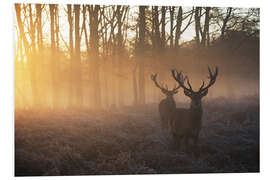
[166,107]
[186,123]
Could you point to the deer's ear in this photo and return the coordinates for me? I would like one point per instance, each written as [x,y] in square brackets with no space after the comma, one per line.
[187,93]
[204,93]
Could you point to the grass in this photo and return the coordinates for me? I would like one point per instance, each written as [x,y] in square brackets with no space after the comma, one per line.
[130,141]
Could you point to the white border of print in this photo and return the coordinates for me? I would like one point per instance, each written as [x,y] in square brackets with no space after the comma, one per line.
[7,87]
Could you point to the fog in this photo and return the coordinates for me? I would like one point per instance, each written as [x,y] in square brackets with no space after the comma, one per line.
[238,77]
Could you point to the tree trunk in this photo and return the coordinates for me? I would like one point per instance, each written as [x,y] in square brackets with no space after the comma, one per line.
[94,56]
[56,28]
[163,16]
[179,22]
[42,87]
[53,55]
[32,61]
[197,25]
[206,26]
[77,63]
[134,78]
[71,54]
[171,27]
[39,27]
[119,14]
[157,32]
[141,54]
[54,59]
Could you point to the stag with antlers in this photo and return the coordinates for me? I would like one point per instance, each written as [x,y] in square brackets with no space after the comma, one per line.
[167,105]
[186,123]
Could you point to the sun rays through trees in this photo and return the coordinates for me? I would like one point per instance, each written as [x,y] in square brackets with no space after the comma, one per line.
[96,56]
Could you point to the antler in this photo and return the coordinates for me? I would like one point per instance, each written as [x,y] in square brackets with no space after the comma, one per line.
[212,78]
[178,76]
[154,78]
[175,88]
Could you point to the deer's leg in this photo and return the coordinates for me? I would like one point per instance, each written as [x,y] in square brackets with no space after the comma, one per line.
[195,137]
[186,144]
[195,140]
[162,122]
[166,123]
[170,125]
[196,149]
[176,141]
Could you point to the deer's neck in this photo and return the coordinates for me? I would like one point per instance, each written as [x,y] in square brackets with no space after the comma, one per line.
[171,101]
[170,98]
[196,112]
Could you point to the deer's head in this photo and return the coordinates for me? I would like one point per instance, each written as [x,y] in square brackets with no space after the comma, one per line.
[195,96]
[164,88]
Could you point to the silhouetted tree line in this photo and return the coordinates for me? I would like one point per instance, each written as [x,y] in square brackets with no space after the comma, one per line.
[105,57]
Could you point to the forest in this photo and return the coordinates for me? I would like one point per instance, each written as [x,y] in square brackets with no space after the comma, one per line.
[86,103]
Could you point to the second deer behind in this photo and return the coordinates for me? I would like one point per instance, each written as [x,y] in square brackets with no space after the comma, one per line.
[167,105]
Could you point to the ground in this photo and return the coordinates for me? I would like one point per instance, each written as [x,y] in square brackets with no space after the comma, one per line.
[131,141]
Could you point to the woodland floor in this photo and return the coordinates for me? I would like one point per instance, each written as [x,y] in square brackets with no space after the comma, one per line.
[130,141]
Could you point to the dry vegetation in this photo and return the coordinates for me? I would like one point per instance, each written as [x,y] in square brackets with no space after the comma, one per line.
[130,141]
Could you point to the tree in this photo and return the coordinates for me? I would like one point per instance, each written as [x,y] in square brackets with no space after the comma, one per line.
[94,56]
[225,21]
[121,15]
[54,59]
[206,26]
[111,16]
[172,9]
[156,40]
[141,46]
[40,54]
[179,21]
[235,19]
[202,34]
[30,48]
[71,55]
[39,27]
[197,24]
[77,58]
[163,23]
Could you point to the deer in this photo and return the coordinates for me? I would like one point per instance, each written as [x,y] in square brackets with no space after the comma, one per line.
[186,124]
[167,105]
